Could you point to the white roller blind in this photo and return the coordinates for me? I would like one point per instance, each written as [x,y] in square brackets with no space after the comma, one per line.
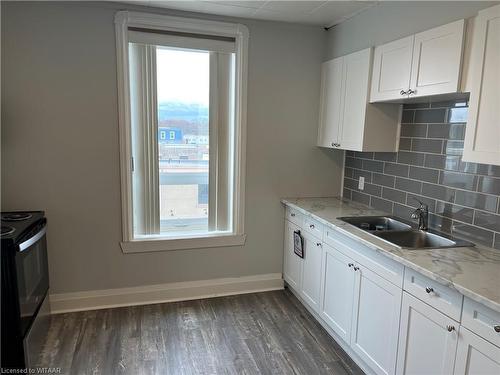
[182,41]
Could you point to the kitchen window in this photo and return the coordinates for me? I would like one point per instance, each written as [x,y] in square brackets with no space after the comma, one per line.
[182,92]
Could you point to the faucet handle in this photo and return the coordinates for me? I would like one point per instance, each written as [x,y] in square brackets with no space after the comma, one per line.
[422,204]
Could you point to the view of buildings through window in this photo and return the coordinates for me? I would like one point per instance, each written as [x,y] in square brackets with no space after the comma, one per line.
[183,139]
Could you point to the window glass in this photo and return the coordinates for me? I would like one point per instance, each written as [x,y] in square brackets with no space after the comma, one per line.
[183,107]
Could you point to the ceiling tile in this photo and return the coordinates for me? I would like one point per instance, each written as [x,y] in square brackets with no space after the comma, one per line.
[207,7]
[301,7]
[268,15]
[334,12]
[243,4]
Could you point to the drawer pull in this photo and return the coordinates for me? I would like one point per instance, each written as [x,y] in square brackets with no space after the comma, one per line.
[351,265]
[497,328]
[356,268]
[318,243]
[311,226]
[292,214]
[450,328]
[429,290]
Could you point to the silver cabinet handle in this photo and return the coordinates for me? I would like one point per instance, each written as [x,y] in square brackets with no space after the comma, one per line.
[497,328]
[338,144]
[356,268]
[292,215]
[450,328]
[318,243]
[429,290]
[311,226]
[333,144]
[351,265]
[403,92]
[410,91]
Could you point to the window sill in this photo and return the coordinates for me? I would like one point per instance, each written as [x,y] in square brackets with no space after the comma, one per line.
[143,246]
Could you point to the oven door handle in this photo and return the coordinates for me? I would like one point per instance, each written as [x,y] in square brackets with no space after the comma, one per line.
[26,244]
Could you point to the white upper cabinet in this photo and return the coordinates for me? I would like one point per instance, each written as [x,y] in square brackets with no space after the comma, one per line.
[437,57]
[428,63]
[356,75]
[346,119]
[482,136]
[391,70]
[331,102]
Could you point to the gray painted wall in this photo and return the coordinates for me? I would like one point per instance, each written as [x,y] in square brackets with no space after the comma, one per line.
[60,144]
[392,20]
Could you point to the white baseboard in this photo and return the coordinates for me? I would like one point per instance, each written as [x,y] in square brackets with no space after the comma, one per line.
[181,291]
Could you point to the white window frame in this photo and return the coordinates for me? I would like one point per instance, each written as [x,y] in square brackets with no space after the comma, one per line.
[126,19]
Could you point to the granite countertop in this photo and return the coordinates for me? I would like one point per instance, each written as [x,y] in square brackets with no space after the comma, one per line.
[473,271]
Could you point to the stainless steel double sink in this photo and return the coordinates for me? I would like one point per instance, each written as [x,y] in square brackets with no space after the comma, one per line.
[401,233]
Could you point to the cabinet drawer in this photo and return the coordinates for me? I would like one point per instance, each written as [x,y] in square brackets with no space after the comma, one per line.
[444,299]
[314,227]
[482,320]
[294,216]
[387,268]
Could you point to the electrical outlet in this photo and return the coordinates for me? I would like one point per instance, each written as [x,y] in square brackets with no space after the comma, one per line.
[361,184]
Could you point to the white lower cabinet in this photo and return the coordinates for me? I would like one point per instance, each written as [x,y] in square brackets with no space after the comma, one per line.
[476,356]
[362,308]
[292,263]
[427,339]
[337,292]
[386,329]
[376,313]
[311,270]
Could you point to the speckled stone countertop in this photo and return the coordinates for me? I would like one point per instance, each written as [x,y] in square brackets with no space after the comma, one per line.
[473,271]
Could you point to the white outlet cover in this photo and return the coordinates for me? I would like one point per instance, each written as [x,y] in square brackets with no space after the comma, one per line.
[361,183]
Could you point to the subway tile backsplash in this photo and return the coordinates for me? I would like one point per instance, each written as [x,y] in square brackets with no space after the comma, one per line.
[463,198]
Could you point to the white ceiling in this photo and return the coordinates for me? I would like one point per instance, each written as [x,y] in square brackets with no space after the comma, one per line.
[321,13]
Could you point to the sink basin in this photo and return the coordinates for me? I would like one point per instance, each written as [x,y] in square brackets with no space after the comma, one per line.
[399,233]
[376,223]
[418,239]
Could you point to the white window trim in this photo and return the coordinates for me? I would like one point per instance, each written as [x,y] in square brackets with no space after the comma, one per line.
[126,19]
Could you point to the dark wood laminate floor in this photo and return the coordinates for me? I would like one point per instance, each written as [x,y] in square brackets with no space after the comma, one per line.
[260,333]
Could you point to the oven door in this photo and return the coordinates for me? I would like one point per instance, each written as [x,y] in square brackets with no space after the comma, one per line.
[32,275]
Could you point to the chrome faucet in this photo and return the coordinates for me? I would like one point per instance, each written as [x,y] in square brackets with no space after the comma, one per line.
[422,214]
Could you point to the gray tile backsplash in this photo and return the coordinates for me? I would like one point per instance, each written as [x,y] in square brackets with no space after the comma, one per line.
[463,198]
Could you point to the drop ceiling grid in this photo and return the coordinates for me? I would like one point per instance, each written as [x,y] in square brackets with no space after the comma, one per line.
[320,13]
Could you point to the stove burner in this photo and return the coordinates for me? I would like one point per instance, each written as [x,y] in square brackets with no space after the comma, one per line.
[16,216]
[6,230]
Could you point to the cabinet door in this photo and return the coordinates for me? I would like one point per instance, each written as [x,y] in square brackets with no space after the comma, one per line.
[357,74]
[391,70]
[476,356]
[311,271]
[437,58]
[376,312]
[427,339]
[337,292]
[482,134]
[331,102]
[292,263]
